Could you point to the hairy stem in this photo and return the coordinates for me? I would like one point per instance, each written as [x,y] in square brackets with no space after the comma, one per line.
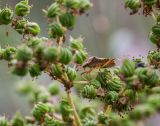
[75,114]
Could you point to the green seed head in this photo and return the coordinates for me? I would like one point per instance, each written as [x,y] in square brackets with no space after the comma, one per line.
[6,16]
[51,54]
[22,8]
[65,56]
[24,53]
[32,28]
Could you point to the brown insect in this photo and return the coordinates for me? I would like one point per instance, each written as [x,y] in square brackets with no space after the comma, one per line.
[96,62]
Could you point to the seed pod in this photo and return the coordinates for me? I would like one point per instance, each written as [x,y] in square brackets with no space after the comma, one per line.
[67,20]
[32,28]
[65,108]
[111,97]
[8,53]
[56,30]
[71,73]
[49,121]
[26,88]
[72,4]
[54,88]
[131,94]
[6,16]
[84,5]
[60,1]
[34,42]
[133,4]
[24,53]
[156,29]
[39,50]
[147,76]
[95,83]
[43,96]
[40,110]
[89,92]
[142,111]
[80,57]
[76,43]
[150,2]
[128,68]
[20,71]
[20,25]
[103,119]
[57,70]
[114,84]
[51,54]
[35,70]
[53,10]
[153,100]
[18,120]
[65,56]
[154,38]
[22,8]
[3,121]
[88,112]
[89,122]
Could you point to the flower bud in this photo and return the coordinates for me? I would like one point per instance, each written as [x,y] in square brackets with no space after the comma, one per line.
[103,119]
[67,20]
[128,68]
[7,53]
[51,54]
[40,110]
[153,100]
[142,111]
[56,30]
[24,53]
[80,57]
[89,92]
[154,38]
[19,26]
[65,108]
[3,121]
[43,96]
[150,2]
[84,5]
[32,28]
[20,71]
[35,70]
[39,50]
[114,84]
[88,112]
[22,8]
[133,4]
[65,56]
[72,4]
[111,97]
[34,42]
[6,16]
[49,121]
[53,10]
[54,88]
[71,73]
[57,70]
[76,43]
[156,29]
[18,120]
[95,83]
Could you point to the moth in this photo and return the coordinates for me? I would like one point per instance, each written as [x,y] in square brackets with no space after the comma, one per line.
[97,62]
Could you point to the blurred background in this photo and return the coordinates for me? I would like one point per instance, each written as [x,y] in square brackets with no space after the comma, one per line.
[108,31]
